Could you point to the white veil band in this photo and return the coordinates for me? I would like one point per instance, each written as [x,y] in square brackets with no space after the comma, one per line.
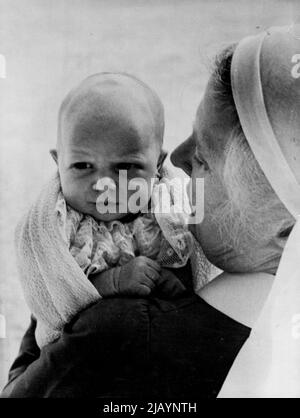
[249,100]
[268,364]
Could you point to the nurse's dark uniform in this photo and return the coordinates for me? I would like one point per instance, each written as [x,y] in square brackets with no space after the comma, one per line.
[178,348]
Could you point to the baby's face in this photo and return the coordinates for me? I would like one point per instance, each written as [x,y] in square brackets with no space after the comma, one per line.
[94,147]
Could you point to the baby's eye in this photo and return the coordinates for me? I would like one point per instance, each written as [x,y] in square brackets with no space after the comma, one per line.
[82,166]
[127,166]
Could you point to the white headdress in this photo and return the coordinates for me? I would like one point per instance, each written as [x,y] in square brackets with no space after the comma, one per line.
[265,78]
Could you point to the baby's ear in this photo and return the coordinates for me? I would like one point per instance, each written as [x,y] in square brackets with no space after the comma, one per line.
[161,159]
[53,154]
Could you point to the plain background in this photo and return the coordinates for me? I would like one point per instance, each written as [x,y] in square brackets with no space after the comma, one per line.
[50,46]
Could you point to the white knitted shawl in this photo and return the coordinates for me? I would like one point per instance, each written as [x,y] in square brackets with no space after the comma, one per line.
[54,285]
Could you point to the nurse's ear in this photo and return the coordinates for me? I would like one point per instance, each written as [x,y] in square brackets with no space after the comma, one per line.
[53,153]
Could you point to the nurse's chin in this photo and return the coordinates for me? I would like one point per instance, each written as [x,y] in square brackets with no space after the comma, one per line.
[246,263]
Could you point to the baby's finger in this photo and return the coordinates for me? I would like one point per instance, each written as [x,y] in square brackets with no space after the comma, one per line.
[151,263]
[142,290]
[150,283]
[152,275]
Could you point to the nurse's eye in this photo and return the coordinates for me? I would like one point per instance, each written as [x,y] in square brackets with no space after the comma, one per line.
[82,166]
[199,161]
[196,160]
[127,166]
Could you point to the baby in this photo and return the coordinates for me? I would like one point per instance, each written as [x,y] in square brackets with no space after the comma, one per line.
[83,239]
[112,124]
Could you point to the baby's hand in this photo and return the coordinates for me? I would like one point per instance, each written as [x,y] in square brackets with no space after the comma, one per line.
[138,277]
[169,286]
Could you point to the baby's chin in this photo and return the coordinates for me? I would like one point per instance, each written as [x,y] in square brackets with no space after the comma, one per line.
[100,213]
[108,216]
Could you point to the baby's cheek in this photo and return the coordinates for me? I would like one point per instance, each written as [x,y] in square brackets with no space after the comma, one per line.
[74,193]
[139,194]
[65,186]
[70,195]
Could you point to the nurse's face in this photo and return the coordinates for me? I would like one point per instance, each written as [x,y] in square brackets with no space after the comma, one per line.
[202,155]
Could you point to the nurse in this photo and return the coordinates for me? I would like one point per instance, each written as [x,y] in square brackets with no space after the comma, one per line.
[246,145]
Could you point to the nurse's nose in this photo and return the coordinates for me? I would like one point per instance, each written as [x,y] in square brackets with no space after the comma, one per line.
[181,157]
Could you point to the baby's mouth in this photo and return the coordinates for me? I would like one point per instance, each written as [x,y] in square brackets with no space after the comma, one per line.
[105,202]
[107,206]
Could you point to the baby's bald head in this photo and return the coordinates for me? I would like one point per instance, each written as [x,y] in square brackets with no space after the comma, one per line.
[111,99]
[110,126]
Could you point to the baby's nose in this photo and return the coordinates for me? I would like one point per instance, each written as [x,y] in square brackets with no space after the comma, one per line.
[104,183]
